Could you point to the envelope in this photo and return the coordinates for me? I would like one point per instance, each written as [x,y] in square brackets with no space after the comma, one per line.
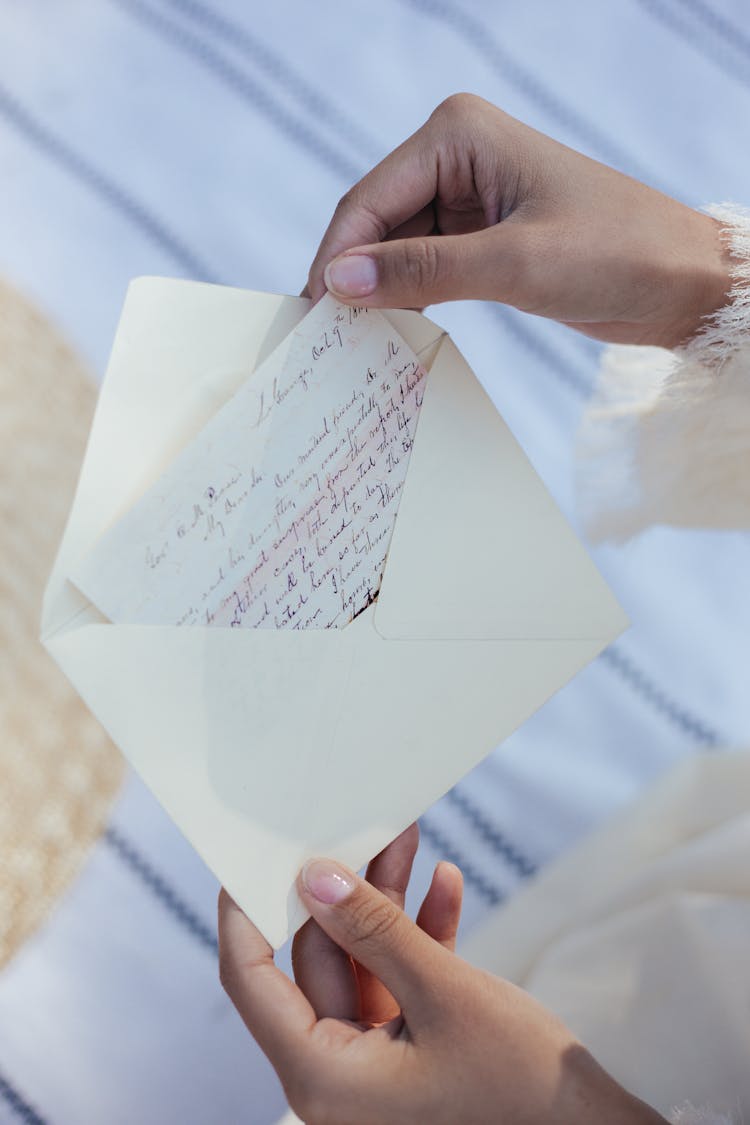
[268,747]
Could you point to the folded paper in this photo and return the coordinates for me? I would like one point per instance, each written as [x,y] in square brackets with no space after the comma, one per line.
[270,745]
[279,514]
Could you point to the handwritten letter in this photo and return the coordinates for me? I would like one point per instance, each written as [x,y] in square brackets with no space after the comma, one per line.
[279,513]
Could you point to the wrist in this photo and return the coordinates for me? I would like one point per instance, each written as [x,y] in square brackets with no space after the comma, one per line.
[591,1095]
[701,281]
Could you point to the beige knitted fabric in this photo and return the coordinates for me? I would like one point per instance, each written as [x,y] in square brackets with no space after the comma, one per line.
[58,770]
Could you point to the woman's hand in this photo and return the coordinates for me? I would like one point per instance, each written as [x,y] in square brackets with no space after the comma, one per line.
[476,204]
[387,1025]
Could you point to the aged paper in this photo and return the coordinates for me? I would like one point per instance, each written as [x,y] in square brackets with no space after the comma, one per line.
[279,513]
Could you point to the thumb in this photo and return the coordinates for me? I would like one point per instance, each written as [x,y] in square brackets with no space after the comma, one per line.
[414,272]
[366,924]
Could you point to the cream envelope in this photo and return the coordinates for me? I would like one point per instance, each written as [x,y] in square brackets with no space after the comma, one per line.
[267,747]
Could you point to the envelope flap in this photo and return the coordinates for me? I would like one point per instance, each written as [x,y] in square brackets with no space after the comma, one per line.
[480,549]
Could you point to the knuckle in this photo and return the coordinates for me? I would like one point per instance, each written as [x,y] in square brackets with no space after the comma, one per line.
[357,205]
[371,922]
[234,970]
[344,207]
[345,201]
[347,204]
[420,265]
[458,107]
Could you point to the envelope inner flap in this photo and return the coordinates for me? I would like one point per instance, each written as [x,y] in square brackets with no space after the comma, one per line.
[279,512]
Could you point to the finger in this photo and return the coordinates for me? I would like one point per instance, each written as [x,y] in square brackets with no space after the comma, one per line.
[397,189]
[275,1012]
[414,272]
[378,935]
[325,973]
[389,872]
[440,913]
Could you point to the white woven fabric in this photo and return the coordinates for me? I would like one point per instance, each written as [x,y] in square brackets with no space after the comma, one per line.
[637,938]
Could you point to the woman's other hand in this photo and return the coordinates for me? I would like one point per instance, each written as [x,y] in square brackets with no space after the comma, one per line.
[478,205]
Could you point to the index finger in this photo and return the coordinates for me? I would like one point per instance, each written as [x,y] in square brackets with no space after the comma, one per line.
[396,189]
[274,1010]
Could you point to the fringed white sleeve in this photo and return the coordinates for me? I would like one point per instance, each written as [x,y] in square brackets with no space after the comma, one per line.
[666,438]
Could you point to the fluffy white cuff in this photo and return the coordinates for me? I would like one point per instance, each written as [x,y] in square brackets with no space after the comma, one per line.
[666,438]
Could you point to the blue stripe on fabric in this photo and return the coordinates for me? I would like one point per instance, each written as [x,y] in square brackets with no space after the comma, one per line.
[440,843]
[521,328]
[496,840]
[126,851]
[187,918]
[479,36]
[733,35]
[687,721]
[248,89]
[680,23]
[276,68]
[58,150]
[20,1107]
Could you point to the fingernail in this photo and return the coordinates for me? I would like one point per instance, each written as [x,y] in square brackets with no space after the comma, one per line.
[354,275]
[326,881]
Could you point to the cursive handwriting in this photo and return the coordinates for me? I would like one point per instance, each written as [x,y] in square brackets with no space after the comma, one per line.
[279,514]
